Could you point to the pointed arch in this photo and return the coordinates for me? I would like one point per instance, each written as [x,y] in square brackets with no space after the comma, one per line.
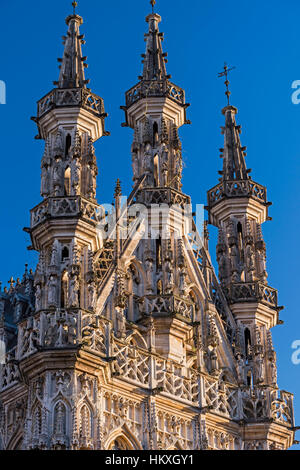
[122,436]
[60,421]
[139,267]
[137,339]
[86,421]
[197,298]
[16,441]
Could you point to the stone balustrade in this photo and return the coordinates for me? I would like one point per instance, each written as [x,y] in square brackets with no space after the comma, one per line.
[236,188]
[145,89]
[71,97]
[65,206]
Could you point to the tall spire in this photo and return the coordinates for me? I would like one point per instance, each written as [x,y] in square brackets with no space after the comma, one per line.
[234,166]
[73,63]
[154,59]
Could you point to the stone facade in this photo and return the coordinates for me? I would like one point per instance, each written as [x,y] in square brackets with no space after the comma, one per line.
[131,341]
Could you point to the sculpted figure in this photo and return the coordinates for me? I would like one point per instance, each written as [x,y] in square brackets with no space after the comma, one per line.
[74,292]
[75,175]
[52,291]
[38,297]
[149,273]
[91,296]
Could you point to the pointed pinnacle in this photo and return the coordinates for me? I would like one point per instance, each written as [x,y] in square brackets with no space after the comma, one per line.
[118,191]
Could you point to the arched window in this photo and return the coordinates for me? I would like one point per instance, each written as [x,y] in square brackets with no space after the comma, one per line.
[67,181]
[85,427]
[64,289]
[120,444]
[65,253]
[158,253]
[156,171]
[60,419]
[68,145]
[155,134]
[240,237]
[247,336]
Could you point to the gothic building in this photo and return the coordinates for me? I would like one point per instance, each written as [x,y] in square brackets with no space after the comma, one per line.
[124,337]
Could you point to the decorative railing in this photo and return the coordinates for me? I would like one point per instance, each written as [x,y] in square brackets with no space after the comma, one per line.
[220,397]
[62,329]
[262,404]
[282,407]
[252,292]
[167,305]
[237,188]
[168,196]
[131,363]
[65,206]
[145,89]
[9,372]
[70,97]
[170,378]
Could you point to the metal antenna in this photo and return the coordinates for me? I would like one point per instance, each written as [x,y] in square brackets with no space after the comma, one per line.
[74,4]
[225,73]
[153,2]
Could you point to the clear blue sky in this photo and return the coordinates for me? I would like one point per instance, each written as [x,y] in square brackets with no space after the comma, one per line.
[260,38]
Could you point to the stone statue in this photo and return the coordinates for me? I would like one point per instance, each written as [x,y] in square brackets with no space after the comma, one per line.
[182,280]
[149,274]
[147,159]
[234,256]
[135,166]
[91,296]
[249,258]
[52,291]
[74,292]
[44,181]
[120,323]
[57,178]
[222,265]
[169,274]
[165,173]
[240,369]
[164,154]
[38,298]
[259,373]
[92,173]
[75,175]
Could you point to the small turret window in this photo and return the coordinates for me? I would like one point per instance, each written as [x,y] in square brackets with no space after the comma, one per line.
[68,145]
[247,342]
[156,171]
[158,253]
[64,289]
[155,134]
[67,181]
[65,253]
[240,239]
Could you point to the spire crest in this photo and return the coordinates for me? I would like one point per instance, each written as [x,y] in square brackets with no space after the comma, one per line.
[72,66]
[225,73]
[74,5]
[153,3]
